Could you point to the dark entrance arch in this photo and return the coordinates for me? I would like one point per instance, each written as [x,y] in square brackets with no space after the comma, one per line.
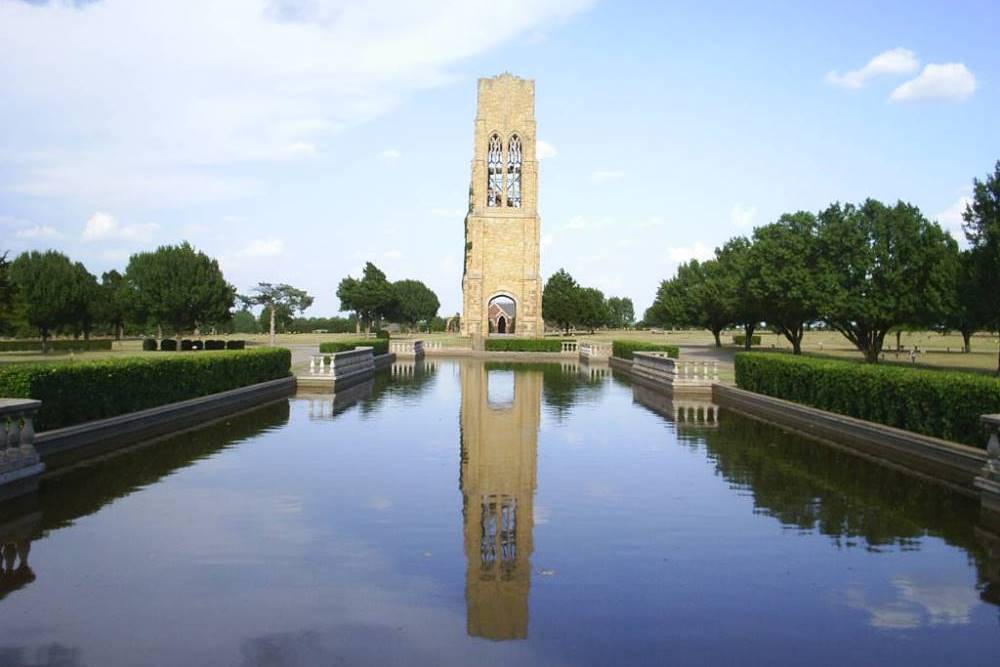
[501,324]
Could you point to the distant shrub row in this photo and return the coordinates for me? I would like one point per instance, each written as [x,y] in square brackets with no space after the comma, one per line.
[73,393]
[740,339]
[379,346]
[56,345]
[170,345]
[623,349]
[936,403]
[524,345]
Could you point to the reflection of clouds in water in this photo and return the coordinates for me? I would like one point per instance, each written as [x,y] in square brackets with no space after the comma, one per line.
[600,490]
[542,514]
[48,655]
[380,503]
[918,603]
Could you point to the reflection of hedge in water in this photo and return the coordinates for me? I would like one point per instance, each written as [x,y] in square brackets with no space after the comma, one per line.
[563,386]
[86,488]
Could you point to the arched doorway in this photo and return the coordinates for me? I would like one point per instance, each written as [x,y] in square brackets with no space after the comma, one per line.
[502,315]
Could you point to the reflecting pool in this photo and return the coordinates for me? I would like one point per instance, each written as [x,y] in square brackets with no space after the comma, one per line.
[469,513]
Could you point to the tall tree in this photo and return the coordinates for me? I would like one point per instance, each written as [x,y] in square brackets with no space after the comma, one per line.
[415,302]
[887,266]
[8,296]
[47,282]
[699,295]
[593,308]
[561,300]
[964,311]
[744,302]
[87,301]
[116,301]
[785,274]
[621,312]
[982,228]
[179,286]
[278,300]
[371,298]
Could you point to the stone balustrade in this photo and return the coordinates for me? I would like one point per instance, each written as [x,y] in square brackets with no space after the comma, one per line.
[19,461]
[569,346]
[432,346]
[661,369]
[342,364]
[407,348]
[988,481]
[595,351]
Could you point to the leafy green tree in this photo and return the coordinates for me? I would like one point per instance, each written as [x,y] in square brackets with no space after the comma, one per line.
[593,308]
[115,301]
[742,300]
[280,302]
[964,313]
[8,297]
[784,274]
[415,302]
[621,312]
[180,287]
[700,295]
[88,307]
[244,322]
[561,300]
[888,266]
[982,228]
[48,284]
[371,298]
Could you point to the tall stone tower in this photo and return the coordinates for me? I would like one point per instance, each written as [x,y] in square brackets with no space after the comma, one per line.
[501,412]
[501,287]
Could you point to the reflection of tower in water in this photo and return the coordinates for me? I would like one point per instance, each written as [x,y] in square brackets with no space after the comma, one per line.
[500,417]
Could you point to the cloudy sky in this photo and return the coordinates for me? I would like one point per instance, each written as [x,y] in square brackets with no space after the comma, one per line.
[295,139]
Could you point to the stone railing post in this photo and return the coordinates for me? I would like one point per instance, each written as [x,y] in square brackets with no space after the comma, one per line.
[17,434]
[988,481]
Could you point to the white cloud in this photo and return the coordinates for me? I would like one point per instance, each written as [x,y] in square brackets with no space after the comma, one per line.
[580,223]
[393,254]
[389,155]
[39,232]
[698,251]
[607,175]
[544,149]
[893,61]
[300,71]
[546,241]
[651,223]
[104,227]
[269,247]
[448,212]
[951,82]
[742,216]
[951,218]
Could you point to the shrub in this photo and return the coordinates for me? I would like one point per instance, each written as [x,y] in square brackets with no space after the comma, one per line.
[382,333]
[215,344]
[623,349]
[739,339]
[236,344]
[197,345]
[942,404]
[187,345]
[524,344]
[168,345]
[72,393]
[149,344]
[60,345]
[380,345]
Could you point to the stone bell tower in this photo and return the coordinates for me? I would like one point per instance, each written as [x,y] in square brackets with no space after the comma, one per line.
[501,287]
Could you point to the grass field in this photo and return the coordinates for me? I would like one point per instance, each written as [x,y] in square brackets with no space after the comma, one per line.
[935,350]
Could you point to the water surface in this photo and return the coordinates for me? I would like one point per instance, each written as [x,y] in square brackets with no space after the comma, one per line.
[462,513]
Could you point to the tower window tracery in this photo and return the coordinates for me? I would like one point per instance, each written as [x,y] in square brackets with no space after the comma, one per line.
[514,172]
[494,167]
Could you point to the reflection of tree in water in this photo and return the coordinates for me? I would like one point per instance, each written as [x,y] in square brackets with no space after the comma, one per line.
[856,502]
[403,378]
[47,655]
[563,385]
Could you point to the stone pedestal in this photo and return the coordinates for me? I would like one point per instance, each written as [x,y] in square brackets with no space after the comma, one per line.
[988,482]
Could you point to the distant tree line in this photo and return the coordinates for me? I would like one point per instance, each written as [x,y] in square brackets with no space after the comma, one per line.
[566,304]
[863,270]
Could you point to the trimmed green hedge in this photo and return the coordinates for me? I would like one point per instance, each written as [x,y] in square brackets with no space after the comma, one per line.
[60,345]
[72,393]
[149,345]
[524,344]
[739,339]
[380,345]
[942,404]
[623,349]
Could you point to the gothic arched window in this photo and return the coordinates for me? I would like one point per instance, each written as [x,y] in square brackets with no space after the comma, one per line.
[514,172]
[494,168]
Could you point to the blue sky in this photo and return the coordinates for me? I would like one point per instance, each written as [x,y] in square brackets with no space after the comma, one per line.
[295,139]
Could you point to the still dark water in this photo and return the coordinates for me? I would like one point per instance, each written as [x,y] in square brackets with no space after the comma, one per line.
[456,513]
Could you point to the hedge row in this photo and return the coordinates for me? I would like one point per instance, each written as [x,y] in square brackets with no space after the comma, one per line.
[72,393]
[740,339]
[380,345]
[937,403]
[60,345]
[623,349]
[524,345]
[170,345]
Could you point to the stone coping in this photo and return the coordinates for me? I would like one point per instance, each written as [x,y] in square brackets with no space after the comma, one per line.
[954,464]
[992,421]
[124,429]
